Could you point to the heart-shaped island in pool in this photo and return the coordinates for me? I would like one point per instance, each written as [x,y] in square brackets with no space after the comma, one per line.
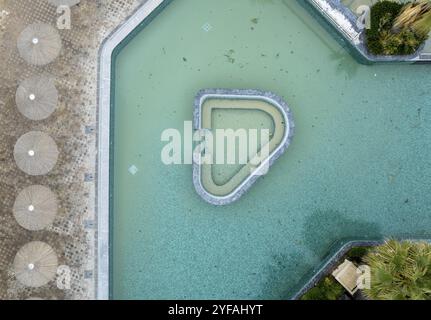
[242,133]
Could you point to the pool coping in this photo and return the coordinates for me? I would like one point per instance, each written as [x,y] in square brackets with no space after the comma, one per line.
[245,185]
[104,141]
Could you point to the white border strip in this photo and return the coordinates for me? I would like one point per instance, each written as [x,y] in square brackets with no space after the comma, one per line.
[104,98]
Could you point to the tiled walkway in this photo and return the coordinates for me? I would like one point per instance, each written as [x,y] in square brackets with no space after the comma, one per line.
[72,126]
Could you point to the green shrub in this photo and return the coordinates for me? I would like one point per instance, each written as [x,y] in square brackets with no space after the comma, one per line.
[356,254]
[383,15]
[327,289]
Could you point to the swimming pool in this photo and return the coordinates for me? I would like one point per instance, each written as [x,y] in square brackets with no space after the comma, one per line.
[358,168]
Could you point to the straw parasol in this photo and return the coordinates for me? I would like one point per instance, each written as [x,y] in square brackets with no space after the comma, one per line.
[35,264]
[39,44]
[35,153]
[37,98]
[69,3]
[35,207]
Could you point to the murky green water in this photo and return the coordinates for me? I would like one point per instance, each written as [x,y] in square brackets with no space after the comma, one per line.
[359,165]
[237,119]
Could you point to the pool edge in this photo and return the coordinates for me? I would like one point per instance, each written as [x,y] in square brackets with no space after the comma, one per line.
[104,97]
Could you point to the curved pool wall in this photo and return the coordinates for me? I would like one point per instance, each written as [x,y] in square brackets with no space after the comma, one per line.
[108,54]
[241,94]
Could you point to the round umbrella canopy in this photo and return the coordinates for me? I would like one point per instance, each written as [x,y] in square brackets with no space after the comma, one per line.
[35,153]
[39,44]
[35,264]
[36,98]
[35,207]
[69,3]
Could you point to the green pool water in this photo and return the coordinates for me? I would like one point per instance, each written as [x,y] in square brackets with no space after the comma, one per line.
[237,119]
[359,166]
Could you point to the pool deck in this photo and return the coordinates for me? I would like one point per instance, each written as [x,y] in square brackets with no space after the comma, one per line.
[73,234]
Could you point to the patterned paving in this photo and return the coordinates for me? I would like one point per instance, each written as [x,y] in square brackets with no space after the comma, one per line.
[72,234]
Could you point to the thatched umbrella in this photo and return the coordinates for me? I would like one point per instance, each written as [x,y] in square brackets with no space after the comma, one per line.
[37,98]
[35,264]
[39,44]
[69,3]
[35,153]
[35,207]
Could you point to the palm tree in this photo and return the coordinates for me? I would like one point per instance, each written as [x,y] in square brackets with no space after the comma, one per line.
[416,16]
[400,271]
[423,25]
